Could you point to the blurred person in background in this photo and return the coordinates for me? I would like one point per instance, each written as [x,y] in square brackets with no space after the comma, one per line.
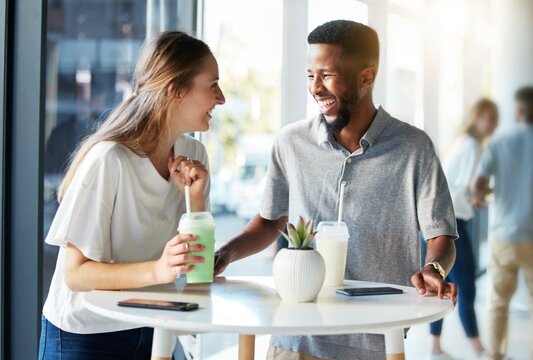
[460,165]
[508,160]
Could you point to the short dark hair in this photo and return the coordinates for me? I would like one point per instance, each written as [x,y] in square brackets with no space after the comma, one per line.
[525,95]
[356,40]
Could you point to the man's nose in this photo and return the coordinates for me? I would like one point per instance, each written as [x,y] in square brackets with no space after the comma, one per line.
[316,85]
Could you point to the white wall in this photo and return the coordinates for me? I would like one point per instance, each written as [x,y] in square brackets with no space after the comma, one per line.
[512,53]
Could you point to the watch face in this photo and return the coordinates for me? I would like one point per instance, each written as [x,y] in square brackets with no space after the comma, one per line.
[438,269]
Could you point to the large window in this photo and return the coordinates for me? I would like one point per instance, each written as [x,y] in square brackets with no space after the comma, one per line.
[248,50]
[91,50]
[405,68]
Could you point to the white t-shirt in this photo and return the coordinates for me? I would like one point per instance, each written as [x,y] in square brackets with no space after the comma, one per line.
[118,209]
[459,167]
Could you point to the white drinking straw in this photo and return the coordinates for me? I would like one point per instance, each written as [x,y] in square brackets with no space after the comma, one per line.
[341,201]
[187,199]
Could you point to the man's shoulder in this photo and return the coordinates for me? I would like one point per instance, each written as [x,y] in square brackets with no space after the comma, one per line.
[305,128]
[406,134]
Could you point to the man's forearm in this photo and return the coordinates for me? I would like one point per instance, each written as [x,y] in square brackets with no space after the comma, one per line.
[258,234]
[441,249]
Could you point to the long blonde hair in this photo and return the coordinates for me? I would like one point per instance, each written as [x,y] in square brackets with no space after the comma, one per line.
[478,108]
[172,57]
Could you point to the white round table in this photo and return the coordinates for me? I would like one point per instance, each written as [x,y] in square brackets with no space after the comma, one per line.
[251,305]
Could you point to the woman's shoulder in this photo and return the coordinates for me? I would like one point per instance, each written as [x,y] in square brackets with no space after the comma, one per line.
[106,155]
[107,151]
[187,145]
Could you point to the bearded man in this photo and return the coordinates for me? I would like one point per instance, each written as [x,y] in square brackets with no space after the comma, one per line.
[394,187]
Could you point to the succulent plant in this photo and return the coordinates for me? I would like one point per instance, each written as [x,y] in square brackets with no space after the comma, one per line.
[301,235]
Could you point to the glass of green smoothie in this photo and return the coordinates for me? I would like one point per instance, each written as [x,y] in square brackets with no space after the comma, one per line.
[202,225]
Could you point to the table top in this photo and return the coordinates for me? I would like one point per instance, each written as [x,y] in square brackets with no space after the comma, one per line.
[251,305]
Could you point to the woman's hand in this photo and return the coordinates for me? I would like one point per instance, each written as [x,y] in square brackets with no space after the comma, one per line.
[184,171]
[176,258]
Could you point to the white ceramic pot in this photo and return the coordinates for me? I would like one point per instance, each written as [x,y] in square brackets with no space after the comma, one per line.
[298,274]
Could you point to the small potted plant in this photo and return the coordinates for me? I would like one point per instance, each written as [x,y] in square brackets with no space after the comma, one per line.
[299,270]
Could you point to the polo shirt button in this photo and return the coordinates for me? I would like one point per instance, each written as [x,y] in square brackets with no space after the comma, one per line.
[343,182]
[349,160]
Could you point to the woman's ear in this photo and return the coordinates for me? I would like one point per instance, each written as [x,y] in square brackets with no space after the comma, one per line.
[172,91]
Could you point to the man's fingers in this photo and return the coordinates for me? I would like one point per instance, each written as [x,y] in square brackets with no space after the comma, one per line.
[441,287]
[220,263]
[451,292]
[418,282]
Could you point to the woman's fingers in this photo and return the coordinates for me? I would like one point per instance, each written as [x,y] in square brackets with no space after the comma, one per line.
[181,269]
[192,170]
[184,259]
[185,248]
[175,163]
[181,238]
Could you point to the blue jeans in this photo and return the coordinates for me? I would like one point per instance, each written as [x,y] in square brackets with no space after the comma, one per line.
[464,275]
[56,344]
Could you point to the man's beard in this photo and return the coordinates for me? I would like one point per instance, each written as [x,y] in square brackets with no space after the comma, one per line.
[344,115]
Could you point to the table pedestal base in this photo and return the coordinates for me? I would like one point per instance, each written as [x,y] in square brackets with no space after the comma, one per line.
[395,356]
[246,347]
[394,346]
[162,344]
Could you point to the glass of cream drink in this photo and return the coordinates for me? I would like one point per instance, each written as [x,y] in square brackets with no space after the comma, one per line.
[332,244]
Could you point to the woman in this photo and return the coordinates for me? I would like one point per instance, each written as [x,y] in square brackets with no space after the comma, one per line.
[459,166]
[122,197]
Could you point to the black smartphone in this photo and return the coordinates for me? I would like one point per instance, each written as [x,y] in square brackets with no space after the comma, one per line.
[158,304]
[363,291]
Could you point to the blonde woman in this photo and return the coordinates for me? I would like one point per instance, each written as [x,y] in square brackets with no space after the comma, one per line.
[122,197]
[460,166]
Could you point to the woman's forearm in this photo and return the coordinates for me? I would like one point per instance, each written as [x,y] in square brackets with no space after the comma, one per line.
[83,274]
[198,204]
[93,275]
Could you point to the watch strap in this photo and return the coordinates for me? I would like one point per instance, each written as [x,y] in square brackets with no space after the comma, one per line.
[438,268]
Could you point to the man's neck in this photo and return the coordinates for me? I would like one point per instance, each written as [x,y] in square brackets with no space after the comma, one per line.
[362,116]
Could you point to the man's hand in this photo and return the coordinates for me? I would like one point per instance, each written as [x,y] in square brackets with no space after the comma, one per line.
[428,282]
[479,190]
[257,235]
[222,260]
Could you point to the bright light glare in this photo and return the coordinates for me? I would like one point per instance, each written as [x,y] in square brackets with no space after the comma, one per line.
[321,11]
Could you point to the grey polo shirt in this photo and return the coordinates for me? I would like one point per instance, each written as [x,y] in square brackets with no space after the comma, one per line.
[395,188]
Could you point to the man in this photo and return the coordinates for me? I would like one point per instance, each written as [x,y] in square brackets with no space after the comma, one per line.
[508,159]
[394,186]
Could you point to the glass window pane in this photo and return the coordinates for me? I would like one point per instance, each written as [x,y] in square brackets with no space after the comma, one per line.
[404,68]
[243,129]
[412,5]
[248,50]
[321,11]
[91,50]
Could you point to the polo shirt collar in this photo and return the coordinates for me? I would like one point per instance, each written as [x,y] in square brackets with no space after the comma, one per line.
[379,123]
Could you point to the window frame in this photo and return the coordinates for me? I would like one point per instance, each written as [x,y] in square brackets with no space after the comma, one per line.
[23,47]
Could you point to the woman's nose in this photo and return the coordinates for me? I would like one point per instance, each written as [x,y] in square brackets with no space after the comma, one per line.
[220,97]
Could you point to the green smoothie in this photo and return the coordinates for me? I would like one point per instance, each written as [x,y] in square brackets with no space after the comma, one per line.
[202,225]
